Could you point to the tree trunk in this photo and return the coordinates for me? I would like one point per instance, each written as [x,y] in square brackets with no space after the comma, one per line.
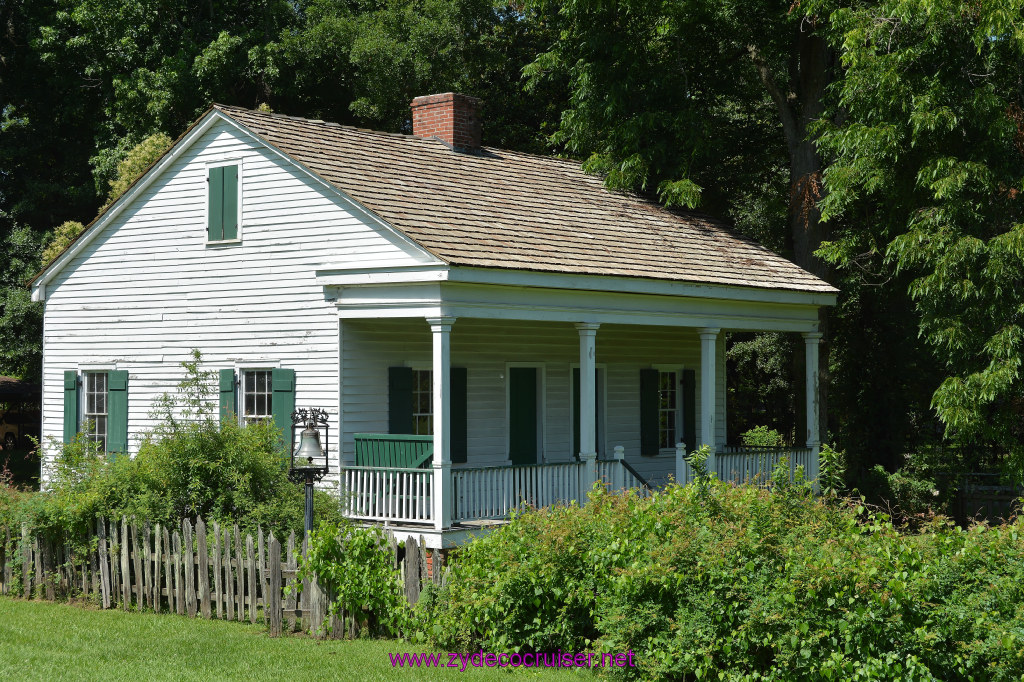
[811,69]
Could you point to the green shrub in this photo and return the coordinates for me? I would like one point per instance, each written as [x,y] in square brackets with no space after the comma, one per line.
[762,436]
[741,583]
[189,466]
[351,565]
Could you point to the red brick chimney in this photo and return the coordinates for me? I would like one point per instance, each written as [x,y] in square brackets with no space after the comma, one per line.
[451,117]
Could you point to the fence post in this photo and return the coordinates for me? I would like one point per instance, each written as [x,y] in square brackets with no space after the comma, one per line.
[204,569]
[101,528]
[26,562]
[274,595]
[218,582]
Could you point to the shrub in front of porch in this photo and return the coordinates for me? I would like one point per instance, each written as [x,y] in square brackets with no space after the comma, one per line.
[747,583]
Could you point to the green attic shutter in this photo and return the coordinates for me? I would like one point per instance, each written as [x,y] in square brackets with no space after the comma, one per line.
[230,219]
[228,395]
[117,411]
[649,412]
[70,405]
[222,222]
[215,222]
[283,403]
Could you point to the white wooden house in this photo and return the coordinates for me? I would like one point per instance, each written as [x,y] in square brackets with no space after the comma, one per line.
[505,304]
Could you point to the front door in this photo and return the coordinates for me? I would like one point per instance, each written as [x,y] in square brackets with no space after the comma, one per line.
[523,418]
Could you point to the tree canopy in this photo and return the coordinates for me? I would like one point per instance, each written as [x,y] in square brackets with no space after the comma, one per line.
[877,143]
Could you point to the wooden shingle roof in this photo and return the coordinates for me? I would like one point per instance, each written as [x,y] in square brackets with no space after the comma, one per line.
[503,209]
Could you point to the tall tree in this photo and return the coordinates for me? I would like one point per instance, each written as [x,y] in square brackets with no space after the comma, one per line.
[926,174]
[705,102]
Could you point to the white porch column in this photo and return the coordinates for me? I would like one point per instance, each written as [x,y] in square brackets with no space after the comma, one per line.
[441,331]
[811,341]
[708,346]
[588,400]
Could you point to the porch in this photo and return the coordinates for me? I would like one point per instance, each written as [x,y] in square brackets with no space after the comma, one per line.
[527,396]
[403,496]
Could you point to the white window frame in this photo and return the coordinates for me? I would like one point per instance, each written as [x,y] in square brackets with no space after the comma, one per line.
[240,372]
[430,394]
[87,416]
[602,408]
[678,369]
[221,163]
[541,407]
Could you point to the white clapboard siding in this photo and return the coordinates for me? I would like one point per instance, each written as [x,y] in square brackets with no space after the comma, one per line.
[148,289]
[484,347]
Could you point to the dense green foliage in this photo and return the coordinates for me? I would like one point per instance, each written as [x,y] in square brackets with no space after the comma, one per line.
[915,159]
[741,583]
[190,465]
[353,566]
[925,177]
[229,473]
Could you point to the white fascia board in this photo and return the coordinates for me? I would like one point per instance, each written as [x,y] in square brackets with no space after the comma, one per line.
[352,204]
[39,286]
[360,274]
[637,285]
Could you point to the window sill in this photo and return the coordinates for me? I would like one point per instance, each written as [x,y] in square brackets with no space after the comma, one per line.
[224,242]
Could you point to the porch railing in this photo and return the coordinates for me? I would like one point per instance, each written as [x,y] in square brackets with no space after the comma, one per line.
[494,492]
[389,495]
[755,464]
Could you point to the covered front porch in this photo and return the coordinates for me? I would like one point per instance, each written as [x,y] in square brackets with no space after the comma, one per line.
[530,403]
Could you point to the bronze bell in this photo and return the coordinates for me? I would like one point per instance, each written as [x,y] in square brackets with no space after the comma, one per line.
[309,447]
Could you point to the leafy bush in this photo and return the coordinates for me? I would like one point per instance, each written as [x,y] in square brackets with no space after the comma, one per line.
[762,436]
[189,466]
[742,583]
[351,566]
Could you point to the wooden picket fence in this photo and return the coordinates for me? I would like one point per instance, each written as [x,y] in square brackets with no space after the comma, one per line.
[190,571]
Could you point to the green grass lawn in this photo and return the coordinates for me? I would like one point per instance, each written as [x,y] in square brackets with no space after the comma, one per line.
[58,641]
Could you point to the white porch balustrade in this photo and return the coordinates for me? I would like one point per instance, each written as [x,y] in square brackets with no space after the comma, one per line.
[494,492]
[388,495]
[753,464]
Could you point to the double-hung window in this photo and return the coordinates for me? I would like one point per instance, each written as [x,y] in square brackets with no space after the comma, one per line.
[96,412]
[257,395]
[96,404]
[668,409]
[422,402]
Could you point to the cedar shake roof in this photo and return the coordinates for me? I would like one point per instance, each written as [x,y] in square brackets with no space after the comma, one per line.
[502,209]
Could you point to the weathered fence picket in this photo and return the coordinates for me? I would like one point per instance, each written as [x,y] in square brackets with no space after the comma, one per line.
[131,565]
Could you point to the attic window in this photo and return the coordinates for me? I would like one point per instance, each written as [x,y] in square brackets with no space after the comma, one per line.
[223,204]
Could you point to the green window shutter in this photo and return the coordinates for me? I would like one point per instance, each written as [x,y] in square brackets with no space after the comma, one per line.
[215,220]
[459,402]
[230,219]
[690,409]
[70,405]
[117,411]
[283,403]
[648,412]
[400,400]
[228,395]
